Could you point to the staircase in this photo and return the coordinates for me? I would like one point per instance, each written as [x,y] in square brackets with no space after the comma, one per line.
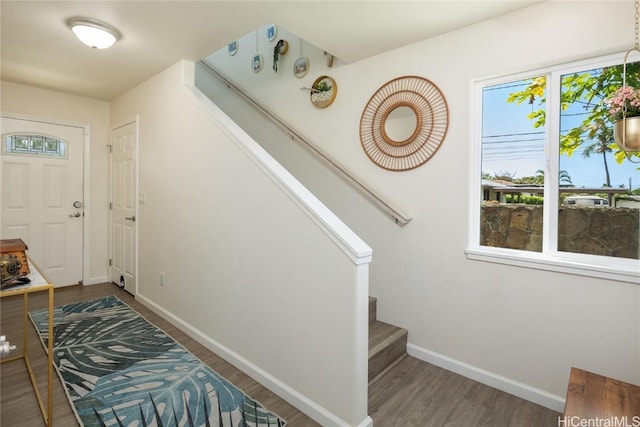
[387,343]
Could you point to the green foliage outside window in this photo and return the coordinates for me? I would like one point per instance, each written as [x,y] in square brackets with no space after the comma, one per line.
[591,90]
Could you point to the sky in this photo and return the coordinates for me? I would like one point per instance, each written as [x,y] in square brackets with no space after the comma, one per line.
[512,144]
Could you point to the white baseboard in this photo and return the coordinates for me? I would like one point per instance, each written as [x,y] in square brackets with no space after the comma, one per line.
[300,401]
[368,422]
[491,379]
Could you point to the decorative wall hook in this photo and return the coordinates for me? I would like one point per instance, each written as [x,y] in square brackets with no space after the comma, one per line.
[329,59]
[281,48]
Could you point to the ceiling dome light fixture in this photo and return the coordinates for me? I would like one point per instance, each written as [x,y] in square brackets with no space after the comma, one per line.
[94,33]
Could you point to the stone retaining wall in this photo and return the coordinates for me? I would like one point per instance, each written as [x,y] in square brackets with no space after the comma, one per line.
[598,231]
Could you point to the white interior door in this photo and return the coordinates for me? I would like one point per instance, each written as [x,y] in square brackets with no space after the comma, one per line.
[124,190]
[42,194]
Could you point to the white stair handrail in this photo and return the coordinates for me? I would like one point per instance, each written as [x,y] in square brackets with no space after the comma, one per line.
[398,217]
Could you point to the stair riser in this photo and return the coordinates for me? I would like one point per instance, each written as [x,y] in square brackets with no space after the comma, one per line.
[373,310]
[390,354]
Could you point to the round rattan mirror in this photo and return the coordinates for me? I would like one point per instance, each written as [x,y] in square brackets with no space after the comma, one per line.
[400,124]
[404,123]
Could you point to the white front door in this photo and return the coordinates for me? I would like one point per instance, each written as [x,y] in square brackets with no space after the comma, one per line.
[42,194]
[124,190]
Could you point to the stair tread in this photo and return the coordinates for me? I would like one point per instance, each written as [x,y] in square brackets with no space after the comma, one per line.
[381,334]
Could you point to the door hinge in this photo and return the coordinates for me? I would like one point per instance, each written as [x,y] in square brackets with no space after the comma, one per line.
[110,262]
[110,148]
[110,205]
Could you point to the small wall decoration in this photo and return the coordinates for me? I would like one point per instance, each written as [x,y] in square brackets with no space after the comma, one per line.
[271,32]
[323,91]
[301,67]
[404,123]
[232,47]
[256,63]
[329,58]
[281,48]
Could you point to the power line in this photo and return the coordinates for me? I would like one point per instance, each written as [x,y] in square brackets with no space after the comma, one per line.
[523,83]
[514,134]
[498,150]
[505,135]
[508,141]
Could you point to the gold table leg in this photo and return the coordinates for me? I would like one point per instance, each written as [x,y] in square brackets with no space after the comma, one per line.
[47,413]
[50,363]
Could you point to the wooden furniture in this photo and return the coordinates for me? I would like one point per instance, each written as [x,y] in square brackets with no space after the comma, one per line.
[18,248]
[39,283]
[591,396]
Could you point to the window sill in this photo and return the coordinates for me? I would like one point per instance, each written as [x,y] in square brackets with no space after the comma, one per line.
[623,272]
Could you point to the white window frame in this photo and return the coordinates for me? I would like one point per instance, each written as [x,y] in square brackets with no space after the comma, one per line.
[620,269]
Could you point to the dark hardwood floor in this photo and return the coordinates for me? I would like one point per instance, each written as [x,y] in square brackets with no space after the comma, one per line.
[416,393]
[411,394]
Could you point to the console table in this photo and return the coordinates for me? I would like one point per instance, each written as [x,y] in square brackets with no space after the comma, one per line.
[39,283]
[591,396]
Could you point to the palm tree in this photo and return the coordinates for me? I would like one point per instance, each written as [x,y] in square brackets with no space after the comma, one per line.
[603,138]
[563,176]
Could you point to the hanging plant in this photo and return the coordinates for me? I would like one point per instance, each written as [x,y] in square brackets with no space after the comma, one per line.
[281,48]
[624,108]
[624,105]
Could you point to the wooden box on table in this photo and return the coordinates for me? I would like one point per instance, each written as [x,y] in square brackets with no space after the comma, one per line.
[18,248]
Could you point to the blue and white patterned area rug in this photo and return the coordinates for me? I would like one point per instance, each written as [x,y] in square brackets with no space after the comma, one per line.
[120,370]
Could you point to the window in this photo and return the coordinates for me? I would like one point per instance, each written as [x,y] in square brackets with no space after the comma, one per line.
[552,189]
[34,145]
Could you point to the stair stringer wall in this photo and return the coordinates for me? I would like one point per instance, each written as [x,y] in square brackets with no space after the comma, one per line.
[255,267]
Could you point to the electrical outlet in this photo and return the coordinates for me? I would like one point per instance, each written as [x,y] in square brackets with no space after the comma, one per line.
[161,279]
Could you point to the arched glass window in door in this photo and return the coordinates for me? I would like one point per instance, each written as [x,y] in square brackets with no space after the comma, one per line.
[34,145]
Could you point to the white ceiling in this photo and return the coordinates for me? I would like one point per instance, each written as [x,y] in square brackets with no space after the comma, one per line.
[37,48]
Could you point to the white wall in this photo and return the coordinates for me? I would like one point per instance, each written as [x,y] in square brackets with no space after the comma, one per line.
[46,104]
[255,267]
[518,329]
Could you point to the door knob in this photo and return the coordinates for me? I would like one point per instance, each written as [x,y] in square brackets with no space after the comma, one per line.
[130,218]
[75,215]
